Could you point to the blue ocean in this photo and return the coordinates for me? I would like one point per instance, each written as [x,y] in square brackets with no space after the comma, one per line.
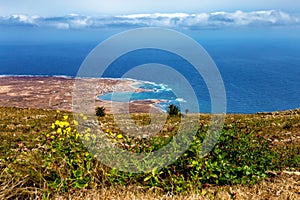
[260,74]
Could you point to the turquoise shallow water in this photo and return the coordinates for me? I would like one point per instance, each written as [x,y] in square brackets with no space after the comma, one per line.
[150,91]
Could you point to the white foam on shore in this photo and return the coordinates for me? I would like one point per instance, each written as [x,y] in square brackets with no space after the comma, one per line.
[180,100]
[163,86]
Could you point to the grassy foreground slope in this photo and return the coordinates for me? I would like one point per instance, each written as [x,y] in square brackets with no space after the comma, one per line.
[41,156]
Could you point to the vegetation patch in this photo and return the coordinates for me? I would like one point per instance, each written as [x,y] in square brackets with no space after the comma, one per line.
[42,154]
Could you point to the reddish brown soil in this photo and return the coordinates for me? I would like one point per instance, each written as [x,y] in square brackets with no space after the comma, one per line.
[57,93]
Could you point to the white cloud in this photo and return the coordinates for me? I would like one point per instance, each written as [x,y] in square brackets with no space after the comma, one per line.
[61,25]
[172,20]
[20,20]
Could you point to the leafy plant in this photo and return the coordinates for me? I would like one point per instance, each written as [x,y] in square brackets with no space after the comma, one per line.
[236,158]
[68,165]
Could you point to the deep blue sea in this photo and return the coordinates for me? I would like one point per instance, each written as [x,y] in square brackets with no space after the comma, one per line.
[259,74]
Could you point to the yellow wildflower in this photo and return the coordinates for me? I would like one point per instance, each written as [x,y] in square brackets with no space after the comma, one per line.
[120,136]
[53,126]
[64,124]
[66,117]
[68,129]
[59,131]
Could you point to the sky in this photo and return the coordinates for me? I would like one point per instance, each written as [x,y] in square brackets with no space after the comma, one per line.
[189,14]
[35,16]
[113,7]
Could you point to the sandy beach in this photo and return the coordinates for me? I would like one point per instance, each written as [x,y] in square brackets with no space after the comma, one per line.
[57,93]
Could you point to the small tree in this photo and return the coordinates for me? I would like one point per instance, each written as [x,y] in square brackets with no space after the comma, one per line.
[100,111]
[173,110]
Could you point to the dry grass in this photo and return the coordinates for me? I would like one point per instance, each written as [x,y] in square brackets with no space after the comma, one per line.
[282,187]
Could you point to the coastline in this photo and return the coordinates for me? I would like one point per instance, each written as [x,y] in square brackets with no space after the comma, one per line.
[55,92]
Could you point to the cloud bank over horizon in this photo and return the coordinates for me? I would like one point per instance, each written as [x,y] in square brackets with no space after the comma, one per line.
[168,20]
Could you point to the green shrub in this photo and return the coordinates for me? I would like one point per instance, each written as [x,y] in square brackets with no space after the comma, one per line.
[100,111]
[236,158]
[173,110]
[67,163]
